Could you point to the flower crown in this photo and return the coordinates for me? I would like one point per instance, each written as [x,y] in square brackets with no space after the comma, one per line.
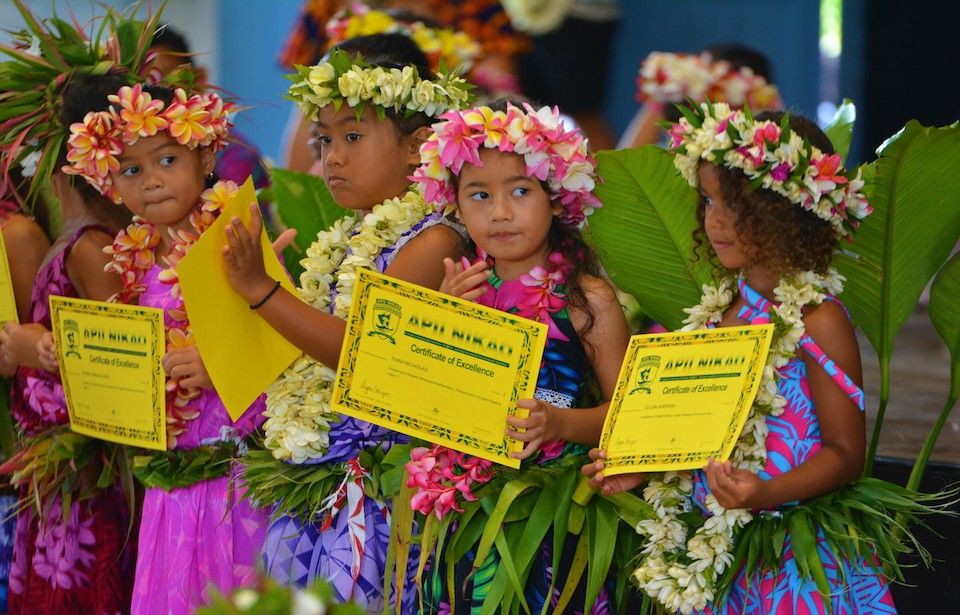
[442,46]
[94,143]
[42,60]
[340,79]
[772,156]
[551,153]
[675,77]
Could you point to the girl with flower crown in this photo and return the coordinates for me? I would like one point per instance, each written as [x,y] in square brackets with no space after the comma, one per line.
[369,122]
[521,182]
[76,560]
[774,201]
[151,149]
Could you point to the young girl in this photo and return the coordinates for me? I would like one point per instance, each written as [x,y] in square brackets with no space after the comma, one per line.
[152,150]
[774,202]
[367,148]
[78,560]
[521,184]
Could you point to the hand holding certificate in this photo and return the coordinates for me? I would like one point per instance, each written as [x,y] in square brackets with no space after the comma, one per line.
[436,367]
[682,398]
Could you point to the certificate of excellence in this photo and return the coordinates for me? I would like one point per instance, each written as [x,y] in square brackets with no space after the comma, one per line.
[682,398]
[8,303]
[110,363]
[436,367]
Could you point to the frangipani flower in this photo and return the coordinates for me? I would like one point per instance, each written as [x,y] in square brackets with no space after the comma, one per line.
[551,154]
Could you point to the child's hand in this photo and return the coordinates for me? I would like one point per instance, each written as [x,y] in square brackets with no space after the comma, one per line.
[609,485]
[244,259]
[733,487]
[185,365]
[464,283]
[541,425]
[47,352]
[18,344]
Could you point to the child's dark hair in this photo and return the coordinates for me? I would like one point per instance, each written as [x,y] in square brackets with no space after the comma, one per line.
[393,51]
[790,238]
[567,239]
[173,40]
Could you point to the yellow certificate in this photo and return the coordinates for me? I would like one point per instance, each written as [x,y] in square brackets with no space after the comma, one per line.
[113,380]
[8,303]
[682,398]
[241,352]
[436,367]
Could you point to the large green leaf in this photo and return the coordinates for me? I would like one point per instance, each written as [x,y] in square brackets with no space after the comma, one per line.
[644,230]
[915,193]
[945,315]
[303,202]
[840,128]
[914,188]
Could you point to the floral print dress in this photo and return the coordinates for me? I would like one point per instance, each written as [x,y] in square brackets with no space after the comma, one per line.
[80,560]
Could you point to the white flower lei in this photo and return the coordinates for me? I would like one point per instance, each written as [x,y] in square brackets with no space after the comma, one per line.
[298,403]
[681,573]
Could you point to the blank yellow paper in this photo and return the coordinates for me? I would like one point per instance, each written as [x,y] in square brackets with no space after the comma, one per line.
[242,353]
[110,364]
[436,367]
[8,303]
[682,398]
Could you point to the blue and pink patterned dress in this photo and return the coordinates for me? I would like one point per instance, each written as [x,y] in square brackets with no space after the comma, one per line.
[349,547]
[793,437]
[564,374]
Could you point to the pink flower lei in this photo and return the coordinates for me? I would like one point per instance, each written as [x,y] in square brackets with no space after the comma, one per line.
[134,253]
[93,145]
[551,153]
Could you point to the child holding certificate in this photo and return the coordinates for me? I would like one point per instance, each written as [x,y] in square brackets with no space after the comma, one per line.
[774,202]
[369,121]
[71,551]
[151,150]
[521,182]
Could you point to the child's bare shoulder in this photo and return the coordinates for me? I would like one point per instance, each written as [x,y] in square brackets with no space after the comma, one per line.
[597,290]
[438,239]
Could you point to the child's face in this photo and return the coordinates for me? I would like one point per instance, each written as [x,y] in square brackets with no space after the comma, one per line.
[719,221]
[507,213]
[161,180]
[363,163]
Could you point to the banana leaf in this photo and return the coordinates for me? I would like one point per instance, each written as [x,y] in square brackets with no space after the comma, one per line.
[840,128]
[302,202]
[643,232]
[914,188]
[945,314]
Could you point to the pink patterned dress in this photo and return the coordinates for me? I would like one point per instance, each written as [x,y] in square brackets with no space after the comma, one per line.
[203,535]
[793,437]
[81,562]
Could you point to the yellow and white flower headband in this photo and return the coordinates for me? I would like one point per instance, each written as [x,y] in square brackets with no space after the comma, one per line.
[340,79]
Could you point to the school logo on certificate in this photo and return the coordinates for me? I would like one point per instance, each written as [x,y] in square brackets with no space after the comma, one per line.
[386,319]
[646,374]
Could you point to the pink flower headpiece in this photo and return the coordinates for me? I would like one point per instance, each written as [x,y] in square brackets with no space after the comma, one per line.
[552,154]
[193,121]
[668,78]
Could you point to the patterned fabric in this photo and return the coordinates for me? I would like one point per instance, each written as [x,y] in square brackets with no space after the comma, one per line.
[204,534]
[308,40]
[76,563]
[239,160]
[794,437]
[8,523]
[563,374]
[296,551]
